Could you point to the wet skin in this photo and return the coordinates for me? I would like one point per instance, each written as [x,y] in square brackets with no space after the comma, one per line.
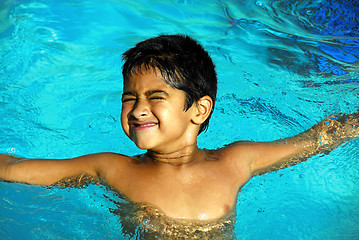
[182,180]
[175,175]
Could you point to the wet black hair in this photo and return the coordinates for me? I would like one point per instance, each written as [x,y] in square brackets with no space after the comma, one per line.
[183,63]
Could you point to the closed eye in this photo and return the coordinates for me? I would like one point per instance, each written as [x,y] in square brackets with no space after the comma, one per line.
[157,95]
[128,96]
[128,99]
[157,98]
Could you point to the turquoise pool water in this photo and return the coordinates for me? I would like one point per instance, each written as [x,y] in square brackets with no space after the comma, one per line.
[282,67]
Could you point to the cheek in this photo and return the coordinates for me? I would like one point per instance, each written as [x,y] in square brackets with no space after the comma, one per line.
[162,113]
[172,120]
[124,119]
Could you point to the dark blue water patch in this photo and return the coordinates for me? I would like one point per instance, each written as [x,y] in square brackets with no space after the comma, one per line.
[325,66]
[333,18]
[346,51]
[251,106]
[300,29]
[330,82]
[293,62]
[342,53]
[333,60]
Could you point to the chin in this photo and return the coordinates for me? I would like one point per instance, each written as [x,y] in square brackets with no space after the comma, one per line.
[143,146]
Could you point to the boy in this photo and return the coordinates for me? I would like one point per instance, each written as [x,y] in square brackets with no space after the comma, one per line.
[168,97]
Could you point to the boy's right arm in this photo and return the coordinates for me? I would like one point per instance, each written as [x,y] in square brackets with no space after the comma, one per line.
[48,171]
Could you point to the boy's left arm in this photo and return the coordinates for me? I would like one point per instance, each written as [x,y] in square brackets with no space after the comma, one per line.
[321,138]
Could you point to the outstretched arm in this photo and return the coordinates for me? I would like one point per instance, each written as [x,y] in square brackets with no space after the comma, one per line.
[322,137]
[47,171]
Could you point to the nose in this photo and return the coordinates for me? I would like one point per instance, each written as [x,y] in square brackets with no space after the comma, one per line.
[140,109]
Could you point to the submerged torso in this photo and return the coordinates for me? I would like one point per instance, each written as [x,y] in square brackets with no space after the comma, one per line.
[178,199]
[202,190]
[148,222]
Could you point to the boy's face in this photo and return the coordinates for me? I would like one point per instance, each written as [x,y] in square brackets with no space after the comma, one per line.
[153,115]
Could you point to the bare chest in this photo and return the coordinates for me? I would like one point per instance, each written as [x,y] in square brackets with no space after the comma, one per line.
[204,194]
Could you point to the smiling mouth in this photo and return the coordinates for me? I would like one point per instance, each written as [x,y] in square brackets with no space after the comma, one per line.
[147,125]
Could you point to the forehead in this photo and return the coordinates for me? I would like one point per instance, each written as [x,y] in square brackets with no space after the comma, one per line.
[145,77]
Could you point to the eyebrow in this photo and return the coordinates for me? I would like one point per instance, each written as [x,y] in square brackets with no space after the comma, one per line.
[155,92]
[148,93]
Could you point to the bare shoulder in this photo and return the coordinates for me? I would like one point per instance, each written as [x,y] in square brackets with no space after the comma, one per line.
[106,161]
[267,156]
[235,161]
[237,154]
[110,166]
[258,155]
[239,151]
[106,156]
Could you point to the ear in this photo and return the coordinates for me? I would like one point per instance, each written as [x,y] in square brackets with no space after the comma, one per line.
[203,108]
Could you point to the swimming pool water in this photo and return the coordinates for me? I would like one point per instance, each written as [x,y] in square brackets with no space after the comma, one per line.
[282,67]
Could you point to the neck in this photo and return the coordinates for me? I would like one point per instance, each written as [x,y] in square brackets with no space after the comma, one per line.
[185,155]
